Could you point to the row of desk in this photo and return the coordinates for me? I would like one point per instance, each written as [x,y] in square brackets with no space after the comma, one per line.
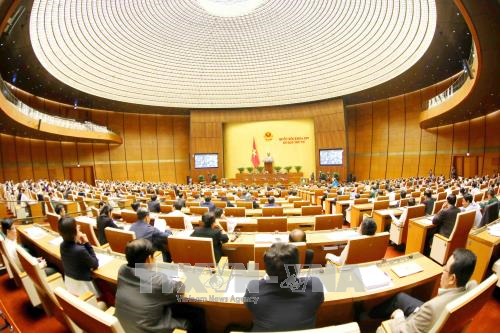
[339,302]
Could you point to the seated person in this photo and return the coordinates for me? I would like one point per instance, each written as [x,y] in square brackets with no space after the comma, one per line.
[349,209]
[103,221]
[271,202]
[178,212]
[154,204]
[367,228]
[299,236]
[212,229]
[226,200]
[60,210]
[10,233]
[468,204]
[156,310]
[208,203]
[490,198]
[143,229]
[402,218]
[219,216]
[285,302]
[409,314]
[428,202]
[135,205]
[447,216]
[78,258]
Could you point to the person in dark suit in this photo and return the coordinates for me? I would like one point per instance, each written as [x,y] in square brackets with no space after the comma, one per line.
[271,202]
[285,302]
[212,229]
[446,218]
[297,236]
[208,203]
[143,229]
[78,258]
[154,204]
[428,202]
[156,310]
[104,220]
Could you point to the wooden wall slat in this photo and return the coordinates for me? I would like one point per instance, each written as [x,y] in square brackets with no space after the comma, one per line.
[24,164]
[380,139]
[39,158]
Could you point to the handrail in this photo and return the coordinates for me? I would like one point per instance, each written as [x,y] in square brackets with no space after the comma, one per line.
[50,119]
[456,85]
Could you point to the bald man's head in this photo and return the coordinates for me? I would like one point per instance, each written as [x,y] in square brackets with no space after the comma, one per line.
[297,235]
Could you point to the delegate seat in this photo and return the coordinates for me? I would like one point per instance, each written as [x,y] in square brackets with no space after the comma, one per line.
[191,250]
[118,239]
[460,312]
[443,247]
[311,210]
[272,224]
[272,211]
[53,220]
[399,233]
[328,222]
[260,250]
[235,211]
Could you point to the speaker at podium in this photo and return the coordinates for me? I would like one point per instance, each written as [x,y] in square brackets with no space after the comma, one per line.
[268,163]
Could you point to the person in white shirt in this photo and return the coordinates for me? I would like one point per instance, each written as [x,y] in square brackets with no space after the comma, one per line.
[402,218]
[475,190]
[178,212]
[392,194]
[367,228]
[10,233]
[468,204]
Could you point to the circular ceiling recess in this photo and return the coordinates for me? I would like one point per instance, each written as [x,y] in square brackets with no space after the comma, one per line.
[228,53]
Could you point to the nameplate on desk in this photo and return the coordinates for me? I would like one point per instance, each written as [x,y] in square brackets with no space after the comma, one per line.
[35,232]
[271,238]
[56,241]
[408,268]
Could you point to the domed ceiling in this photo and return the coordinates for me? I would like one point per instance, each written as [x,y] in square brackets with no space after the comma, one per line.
[228,53]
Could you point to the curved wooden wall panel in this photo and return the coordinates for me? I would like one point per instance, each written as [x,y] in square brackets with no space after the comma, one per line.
[386,141]
[155,148]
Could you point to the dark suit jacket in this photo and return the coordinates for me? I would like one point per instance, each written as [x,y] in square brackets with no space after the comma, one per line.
[218,238]
[210,205]
[429,206]
[281,309]
[154,206]
[78,260]
[103,222]
[147,231]
[140,312]
[445,220]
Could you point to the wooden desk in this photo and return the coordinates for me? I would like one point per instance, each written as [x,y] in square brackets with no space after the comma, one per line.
[287,211]
[328,205]
[342,205]
[383,218]
[487,249]
[357,212]
[417,234]
[339,302]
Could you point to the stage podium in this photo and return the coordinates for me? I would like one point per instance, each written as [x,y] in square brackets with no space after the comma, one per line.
[268,166]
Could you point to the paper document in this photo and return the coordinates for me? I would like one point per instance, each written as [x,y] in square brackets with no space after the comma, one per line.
[373,277]
[86,219]
[271,238]
[406,269]
[342,235]
[56,241]
[427,220]
[35,232]
[184,233]
[160,224]
[237,286]
[494,230]
[103,259]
